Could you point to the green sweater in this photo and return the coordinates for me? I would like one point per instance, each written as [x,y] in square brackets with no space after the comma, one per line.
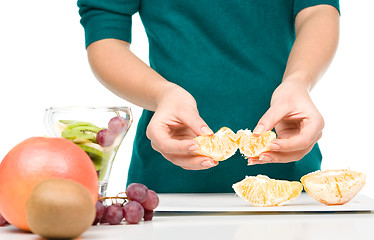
[230,55]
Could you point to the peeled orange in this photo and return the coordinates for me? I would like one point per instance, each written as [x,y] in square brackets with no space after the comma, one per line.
[262,191]
[333,187]
[253,146]
[220,146]
[37,159]
[224,143]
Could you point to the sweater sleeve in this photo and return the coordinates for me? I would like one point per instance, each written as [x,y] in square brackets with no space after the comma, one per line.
[301,4]
[107,19]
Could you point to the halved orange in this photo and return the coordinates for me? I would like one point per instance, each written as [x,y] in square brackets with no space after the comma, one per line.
[253,146]
[262,191]
[220,146]
[333,187]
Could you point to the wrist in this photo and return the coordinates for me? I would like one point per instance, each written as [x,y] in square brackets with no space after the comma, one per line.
[164,91]
[299,79]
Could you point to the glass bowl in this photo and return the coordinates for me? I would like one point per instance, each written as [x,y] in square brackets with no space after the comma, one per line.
[99,131]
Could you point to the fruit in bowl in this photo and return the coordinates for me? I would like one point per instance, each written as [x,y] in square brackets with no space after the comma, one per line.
[98,142]
[99,131]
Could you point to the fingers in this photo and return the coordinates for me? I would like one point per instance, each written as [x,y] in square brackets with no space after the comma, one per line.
[159,134]
[192,119]
[162,142]
[281,157]
[190,161]
[172,146]
[284,157]
[174,140]
[252,160]
[309,134]
[271,117]
[173,127]
[193,163]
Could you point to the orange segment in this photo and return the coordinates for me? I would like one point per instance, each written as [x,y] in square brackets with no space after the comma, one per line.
[251,146]
[333,187]
[220,146]
[262,191]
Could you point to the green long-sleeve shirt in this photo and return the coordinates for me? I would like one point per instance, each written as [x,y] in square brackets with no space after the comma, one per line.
[230,55]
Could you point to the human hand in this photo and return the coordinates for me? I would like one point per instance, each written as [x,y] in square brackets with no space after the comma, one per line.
[175,123]
[297,123]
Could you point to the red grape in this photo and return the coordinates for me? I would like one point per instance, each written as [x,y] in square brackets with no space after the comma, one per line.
[118,124]
[152,201]
[114,214]
[137,192]
[103,218]
[105,138]
[99,212]
[148,215]
[3,221]
[134,212]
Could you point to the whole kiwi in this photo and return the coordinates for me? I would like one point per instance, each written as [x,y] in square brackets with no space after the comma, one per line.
[60,209]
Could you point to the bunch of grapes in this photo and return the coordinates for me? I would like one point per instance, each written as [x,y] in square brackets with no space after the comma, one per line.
[138,204]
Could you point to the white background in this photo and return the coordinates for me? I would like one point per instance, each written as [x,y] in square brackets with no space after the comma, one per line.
[43,63]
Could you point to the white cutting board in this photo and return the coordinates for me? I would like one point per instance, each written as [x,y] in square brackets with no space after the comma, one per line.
[229,202]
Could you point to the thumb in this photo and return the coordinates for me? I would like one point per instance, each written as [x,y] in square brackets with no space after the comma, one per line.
[192,119]
[271,117]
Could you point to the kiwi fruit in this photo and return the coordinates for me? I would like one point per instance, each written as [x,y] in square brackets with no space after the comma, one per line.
[85,132]
[67,134]
[96,154]
[70,124]
[84,135]
[80,133]
[60,209]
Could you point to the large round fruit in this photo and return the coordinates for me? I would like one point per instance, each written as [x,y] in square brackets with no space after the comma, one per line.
[36,159]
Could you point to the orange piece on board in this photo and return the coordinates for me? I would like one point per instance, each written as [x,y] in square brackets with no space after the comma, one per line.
[333,187]
[262,191]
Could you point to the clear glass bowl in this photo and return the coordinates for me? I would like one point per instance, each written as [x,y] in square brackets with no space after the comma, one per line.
[82,125]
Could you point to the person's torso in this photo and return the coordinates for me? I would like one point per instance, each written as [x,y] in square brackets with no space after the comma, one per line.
[230,55]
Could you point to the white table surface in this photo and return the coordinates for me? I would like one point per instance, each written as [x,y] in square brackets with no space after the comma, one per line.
[236,225]
[230,202]
[261,226]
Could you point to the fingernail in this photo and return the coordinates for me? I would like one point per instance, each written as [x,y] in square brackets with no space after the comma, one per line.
[265,158]
[259,129]
[274,146]
[193,147]
[207,164]
[206,131]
